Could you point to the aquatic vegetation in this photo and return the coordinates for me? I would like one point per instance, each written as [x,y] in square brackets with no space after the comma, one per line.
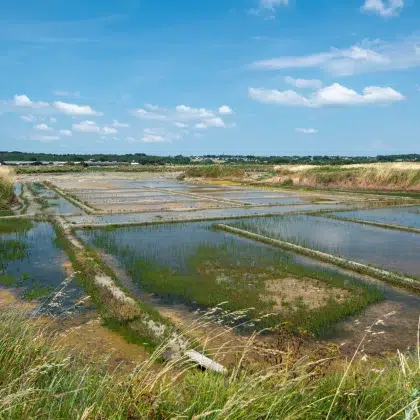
[212,267]
[15,225]
[37,291]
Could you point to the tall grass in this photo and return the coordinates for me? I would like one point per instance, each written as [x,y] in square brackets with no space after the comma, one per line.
[37,380]
[388,176]
[6,187]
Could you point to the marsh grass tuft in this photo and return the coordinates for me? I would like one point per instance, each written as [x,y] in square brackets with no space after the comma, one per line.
[38,379]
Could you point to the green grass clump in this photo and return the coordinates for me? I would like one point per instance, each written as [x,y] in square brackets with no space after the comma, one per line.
[15,225]
[8,280]
[236,273]
[39,381]
[37,291]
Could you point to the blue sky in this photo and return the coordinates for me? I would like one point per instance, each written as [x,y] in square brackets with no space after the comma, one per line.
[267,77]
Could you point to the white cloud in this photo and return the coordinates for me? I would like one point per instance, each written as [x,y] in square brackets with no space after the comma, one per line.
[225,110]
[43,127]
[92,127]
[87,127]
[66,94]
[267,8]
[45,139]
[147,115]
[24,101]
[384,8]
[118,124]
[155,135]
[73,109]
[211,122]
[306,130]
[67,133]
[109,130]
[272,4]
[182,115]
[28,118]
[53,120]
[303,83]
[333,95]
[368,56]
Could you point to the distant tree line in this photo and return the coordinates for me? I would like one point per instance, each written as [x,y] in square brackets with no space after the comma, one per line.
[143,159]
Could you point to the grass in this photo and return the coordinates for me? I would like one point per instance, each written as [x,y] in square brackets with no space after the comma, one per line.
[378,176]
[215,171]
[15,225]
[37,291]
[37,380]
[205,274]
[128,318]
[6,188]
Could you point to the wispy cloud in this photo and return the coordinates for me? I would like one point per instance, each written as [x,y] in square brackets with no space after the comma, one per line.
[306,130]
[303,83]
[155,135]
[334,95]
[92,127]
[43,127]
[384,8]
[267,8]
[367,56]
[66,94]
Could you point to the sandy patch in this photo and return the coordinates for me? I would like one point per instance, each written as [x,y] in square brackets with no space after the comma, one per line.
[288,292]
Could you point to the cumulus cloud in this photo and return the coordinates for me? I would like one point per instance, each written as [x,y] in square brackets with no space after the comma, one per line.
[86,127]
[74,109]
[384,8]
[211,122]
[368,56]
[67,133]
[225,110]
[28,118]
[43,127]
[303,83]
[53,120]
[306,130]
[333,95]
[183,115]
[25,102]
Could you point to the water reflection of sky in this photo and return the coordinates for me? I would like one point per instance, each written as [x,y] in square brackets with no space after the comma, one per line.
[404,216]
[391,249]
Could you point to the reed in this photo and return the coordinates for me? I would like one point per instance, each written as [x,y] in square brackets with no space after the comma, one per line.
[40,380]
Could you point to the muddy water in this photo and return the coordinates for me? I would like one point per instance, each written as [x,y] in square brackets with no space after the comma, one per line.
[389,249]
[396,316]
[404,216]
[41,263]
